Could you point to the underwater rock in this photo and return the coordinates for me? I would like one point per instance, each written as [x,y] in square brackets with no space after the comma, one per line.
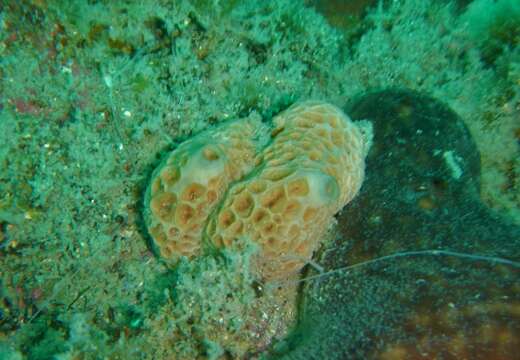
[421,192]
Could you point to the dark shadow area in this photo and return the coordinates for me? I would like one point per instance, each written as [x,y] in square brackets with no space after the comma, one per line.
[421,192]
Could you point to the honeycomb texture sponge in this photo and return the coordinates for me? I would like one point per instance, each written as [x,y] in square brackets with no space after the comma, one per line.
[192,180]
[312,167]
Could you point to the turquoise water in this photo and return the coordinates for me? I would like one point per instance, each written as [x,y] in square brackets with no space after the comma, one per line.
[423,263]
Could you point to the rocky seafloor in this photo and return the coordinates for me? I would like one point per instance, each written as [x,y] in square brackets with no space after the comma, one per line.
[93,94]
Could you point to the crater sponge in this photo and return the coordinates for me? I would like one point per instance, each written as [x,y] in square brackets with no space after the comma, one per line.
[192,180]
[313,166]
[279,190]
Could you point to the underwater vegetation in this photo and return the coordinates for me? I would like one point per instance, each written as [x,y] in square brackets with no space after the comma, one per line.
[494,26]
[96,95]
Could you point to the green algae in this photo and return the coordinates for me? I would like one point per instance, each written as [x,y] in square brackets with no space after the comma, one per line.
[494,26]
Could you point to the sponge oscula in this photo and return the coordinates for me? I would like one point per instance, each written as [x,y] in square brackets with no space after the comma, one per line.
[188,185]
[313,166]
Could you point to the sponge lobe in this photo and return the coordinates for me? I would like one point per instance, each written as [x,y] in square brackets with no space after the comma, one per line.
[311,169]
[189,184]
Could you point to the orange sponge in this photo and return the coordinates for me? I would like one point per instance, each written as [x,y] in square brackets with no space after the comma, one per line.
[189,184]
[311,169]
